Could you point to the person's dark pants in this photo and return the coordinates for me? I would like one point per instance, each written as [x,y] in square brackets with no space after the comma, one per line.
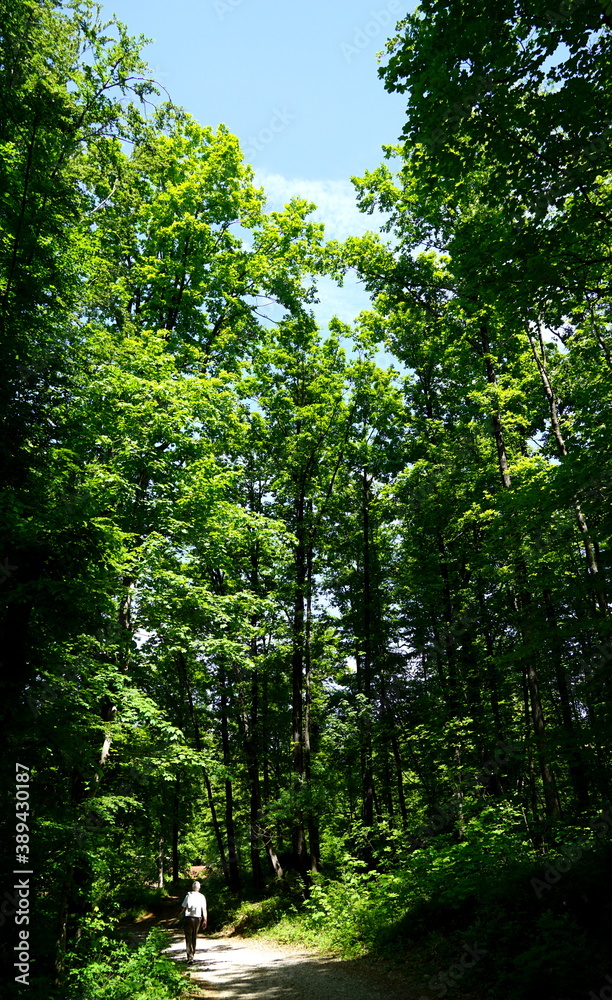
[191,934]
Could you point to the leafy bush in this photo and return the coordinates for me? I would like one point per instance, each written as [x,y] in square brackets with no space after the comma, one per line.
[134,900]
[428,905]
[123,974]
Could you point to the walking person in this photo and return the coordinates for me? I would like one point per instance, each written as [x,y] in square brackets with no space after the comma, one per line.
[194,908]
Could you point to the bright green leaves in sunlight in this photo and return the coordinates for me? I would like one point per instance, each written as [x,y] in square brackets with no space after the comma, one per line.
[186,247]
[336,629]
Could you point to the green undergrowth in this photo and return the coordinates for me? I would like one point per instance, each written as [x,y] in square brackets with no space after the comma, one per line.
[487,916]
[118,972]
[135,901]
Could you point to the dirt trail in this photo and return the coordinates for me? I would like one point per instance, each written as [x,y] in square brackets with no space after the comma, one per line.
[235,968]
[245,969]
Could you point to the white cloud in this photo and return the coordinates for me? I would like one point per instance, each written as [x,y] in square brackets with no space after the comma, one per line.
[335,200]
[337,208]
[345,302]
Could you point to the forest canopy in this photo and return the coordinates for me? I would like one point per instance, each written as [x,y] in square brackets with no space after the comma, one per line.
[338,630]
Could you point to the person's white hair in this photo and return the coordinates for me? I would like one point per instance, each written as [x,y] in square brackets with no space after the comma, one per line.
[195,886]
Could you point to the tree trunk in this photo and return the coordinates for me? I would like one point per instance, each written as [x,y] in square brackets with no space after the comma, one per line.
[207,785]
[258,828]
[175,831]
[234,873]
[389,743]
[590,547]
[367,777]
[498,433]
[313,826]
[62,926]
[449,645]
[160,863]
[575,756]
[399,775]
[251,749]
[300,857]
[551,797]
[491,667]
[531,783]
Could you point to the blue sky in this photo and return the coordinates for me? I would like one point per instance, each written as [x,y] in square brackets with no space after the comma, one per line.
[296,82]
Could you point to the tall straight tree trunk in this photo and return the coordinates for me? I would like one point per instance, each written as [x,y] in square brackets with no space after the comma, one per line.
[401,798]
[259,829]
[590,547]
[265,738]
[300,857]
[77,873]
[575,756]
[175,830]
[249,727]
[62,925]
[389,743]
[454,698]
[230,829]
[312,821]
[207,785]
[491,667]
[551,796]
[531,781]
[367,777]
[160,862]
[498,433]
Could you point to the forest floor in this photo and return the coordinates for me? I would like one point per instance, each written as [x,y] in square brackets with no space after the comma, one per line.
[231,967]
[249,969]
[238,968]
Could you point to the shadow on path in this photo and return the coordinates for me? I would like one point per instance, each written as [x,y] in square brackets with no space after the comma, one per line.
[230,969]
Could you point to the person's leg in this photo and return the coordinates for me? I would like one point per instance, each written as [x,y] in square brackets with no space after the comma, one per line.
[191,929]
[196,927]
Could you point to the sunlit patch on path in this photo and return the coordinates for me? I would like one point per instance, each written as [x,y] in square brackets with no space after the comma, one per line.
[229,969]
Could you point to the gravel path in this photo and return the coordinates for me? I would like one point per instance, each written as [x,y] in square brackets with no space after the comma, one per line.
[244,969]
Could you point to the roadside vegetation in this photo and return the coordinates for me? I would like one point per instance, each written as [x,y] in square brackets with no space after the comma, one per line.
[338,629]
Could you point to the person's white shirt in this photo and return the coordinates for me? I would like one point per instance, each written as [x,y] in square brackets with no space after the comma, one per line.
[194,904]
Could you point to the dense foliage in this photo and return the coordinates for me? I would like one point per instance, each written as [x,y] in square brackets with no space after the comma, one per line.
[342,632]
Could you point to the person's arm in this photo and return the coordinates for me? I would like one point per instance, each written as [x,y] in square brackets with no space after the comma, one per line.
[203,920]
